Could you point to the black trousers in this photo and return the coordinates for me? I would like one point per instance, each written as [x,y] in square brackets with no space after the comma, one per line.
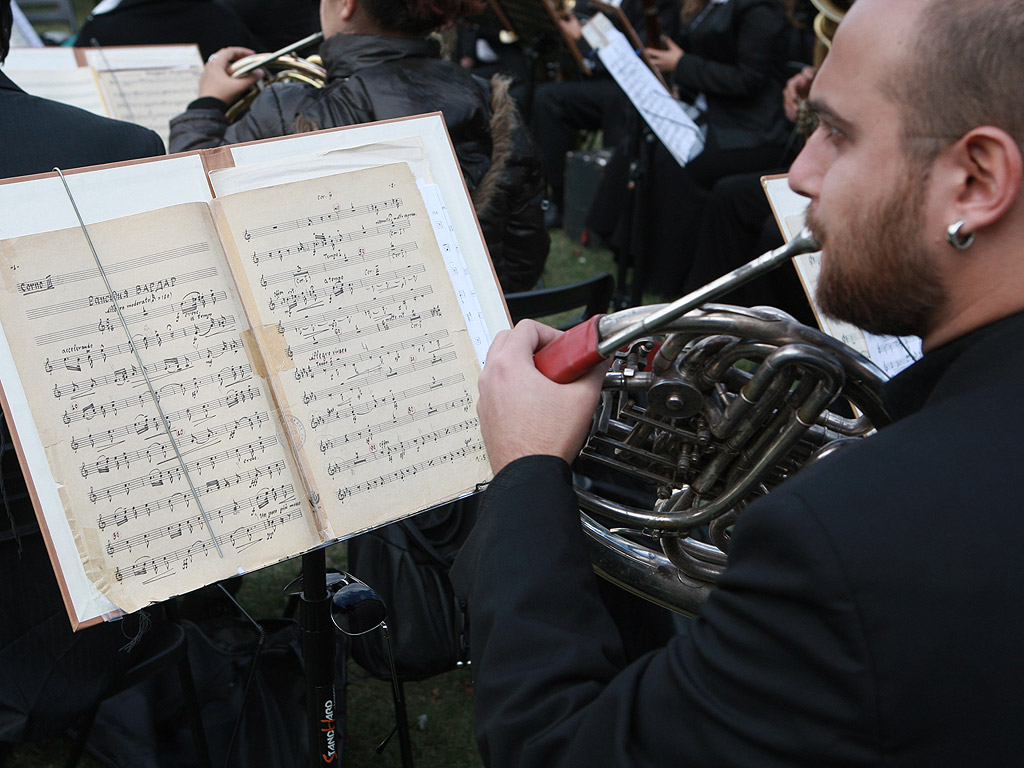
[561,110]
[656,223]
[737,226]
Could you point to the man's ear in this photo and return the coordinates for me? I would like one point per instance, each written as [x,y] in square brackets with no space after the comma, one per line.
[347,9]
[987,169]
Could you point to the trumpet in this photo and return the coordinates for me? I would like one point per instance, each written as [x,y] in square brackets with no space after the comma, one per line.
[705,408]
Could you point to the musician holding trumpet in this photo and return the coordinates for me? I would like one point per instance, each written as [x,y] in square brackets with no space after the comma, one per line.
[381,63]
[867,615]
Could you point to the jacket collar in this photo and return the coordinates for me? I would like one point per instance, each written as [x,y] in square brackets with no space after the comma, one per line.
[345,54]
[6,84]
[939,372]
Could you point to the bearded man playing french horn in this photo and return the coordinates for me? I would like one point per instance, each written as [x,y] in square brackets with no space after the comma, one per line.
[866,616]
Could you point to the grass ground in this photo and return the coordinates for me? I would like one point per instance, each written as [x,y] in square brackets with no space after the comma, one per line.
[440,709]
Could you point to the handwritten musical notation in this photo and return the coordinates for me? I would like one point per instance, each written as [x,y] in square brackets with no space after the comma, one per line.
[371,355]
[122,475]
[149,97]
[221,405]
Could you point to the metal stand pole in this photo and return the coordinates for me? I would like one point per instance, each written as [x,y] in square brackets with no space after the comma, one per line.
[318,653]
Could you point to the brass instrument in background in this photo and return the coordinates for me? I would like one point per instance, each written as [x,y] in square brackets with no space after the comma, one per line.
[280,65]
[826,22]
[699,418]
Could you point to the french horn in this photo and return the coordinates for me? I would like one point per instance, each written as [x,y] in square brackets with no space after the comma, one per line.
[282,64]
[702,412]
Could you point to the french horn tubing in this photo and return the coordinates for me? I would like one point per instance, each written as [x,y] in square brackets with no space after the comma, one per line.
[703,411]
[280,65]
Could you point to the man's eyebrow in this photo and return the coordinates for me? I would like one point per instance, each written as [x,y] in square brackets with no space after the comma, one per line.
[822,110]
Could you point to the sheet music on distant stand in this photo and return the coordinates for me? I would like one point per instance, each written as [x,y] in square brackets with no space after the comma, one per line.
[890,353]
[660,110]
[269,370]
[142,84]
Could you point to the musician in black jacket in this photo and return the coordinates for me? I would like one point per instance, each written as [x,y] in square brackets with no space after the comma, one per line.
[381,64]
[729,61]
[868,613]
[588,101]
[49,676]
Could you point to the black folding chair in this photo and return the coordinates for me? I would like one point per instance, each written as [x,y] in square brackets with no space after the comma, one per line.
[583,299]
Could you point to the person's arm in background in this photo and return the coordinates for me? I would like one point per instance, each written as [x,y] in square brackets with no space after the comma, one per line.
[758,30]
[203,124]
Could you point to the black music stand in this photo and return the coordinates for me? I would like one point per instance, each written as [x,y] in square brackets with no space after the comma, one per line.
[318,652]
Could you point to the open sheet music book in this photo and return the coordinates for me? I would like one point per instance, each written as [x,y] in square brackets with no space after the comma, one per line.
[312,337]
[142,84]
[890,353]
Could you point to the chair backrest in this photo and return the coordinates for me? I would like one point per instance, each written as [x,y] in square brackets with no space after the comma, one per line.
[54,19]
[589,297]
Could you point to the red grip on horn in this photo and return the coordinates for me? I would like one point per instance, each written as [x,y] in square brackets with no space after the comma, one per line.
[570,355]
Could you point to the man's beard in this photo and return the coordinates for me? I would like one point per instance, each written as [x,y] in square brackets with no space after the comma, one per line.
[876,274]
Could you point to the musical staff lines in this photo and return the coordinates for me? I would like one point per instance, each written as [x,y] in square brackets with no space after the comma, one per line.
[390,227]
[240,538]
[74,362]
[229,376]
[50,282]
[394,399]
[160,477]
[475,449]
[377,361]
[138,479]
[278,496]
[302,275]
[187,308]
[388,451]
[352,211]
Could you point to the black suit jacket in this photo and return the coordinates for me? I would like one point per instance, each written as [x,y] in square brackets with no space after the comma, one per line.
[735,54]
[869,615]
[49,677]
[38,134]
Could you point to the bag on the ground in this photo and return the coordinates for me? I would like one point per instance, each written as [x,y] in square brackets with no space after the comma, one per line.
[407,564]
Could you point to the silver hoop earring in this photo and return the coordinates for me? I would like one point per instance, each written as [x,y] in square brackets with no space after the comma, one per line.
[954,238]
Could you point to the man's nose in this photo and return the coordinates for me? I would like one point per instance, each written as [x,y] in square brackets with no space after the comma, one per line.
[806,172]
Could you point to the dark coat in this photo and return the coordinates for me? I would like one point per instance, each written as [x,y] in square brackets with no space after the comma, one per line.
[735,54]
[868,616]
[38,134]
[49,676]
[374,77]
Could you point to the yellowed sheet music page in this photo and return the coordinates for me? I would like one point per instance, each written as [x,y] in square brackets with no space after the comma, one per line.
[136,521]
[367,349]
[149,97]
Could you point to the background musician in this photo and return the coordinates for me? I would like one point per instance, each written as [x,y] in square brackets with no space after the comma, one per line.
[867,616]
[381,64]
[730,62]
[591,102]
